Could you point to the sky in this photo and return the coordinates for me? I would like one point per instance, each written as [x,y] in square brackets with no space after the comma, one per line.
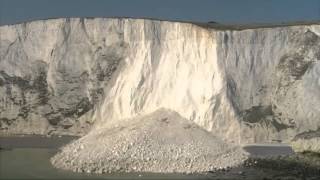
[223,11]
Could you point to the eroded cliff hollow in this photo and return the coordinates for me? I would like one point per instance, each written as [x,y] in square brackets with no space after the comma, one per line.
[66,76]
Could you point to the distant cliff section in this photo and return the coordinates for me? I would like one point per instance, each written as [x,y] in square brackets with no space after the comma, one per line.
[67,76]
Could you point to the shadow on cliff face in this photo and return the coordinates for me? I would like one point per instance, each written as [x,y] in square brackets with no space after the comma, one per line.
[308,135]
[264,115]
[295,64]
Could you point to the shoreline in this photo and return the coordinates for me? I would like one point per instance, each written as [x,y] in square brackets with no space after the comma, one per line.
[276,167]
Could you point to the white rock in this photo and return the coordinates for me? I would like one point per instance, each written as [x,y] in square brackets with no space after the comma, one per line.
[220,79]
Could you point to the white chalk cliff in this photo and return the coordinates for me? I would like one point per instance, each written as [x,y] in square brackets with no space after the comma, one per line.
[245,86]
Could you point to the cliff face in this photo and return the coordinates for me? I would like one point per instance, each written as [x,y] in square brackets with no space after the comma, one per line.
[273,80]
[67,75]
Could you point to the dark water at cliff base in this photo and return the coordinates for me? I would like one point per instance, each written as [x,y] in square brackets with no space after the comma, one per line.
[28,157]
[20,159]
[33,163]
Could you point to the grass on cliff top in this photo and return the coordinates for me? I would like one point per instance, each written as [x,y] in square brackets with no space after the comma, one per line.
[239,27]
